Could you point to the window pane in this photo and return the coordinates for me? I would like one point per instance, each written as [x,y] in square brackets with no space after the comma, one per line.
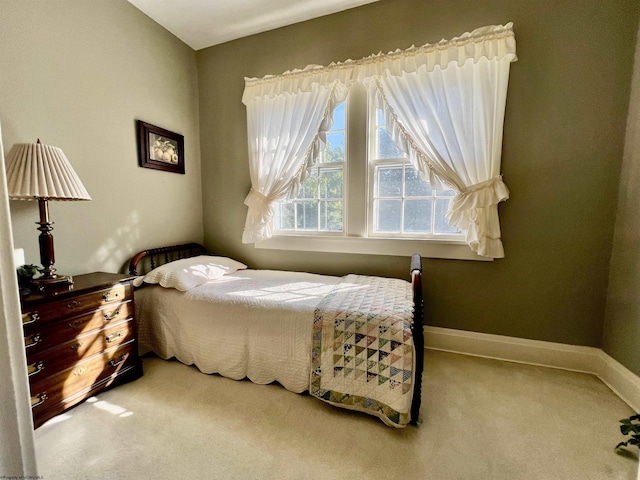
[309,188]
[441,224]
[331,216]
[389,215]
[331,183]
[307,215]
[414,185]
[285,216]
[389,181]
[417,216]
[334,149]
[385,146]
[339,117]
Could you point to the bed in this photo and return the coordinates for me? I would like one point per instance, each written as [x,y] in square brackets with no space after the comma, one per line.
[354,341]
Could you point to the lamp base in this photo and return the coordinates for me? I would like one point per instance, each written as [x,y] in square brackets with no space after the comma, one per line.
[50,283]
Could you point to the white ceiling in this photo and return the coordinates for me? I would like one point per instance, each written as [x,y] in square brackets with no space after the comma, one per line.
[203,23]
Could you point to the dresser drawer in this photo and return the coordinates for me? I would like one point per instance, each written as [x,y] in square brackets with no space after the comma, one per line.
[42,336]
[52,311]
[63,388]
[63,355]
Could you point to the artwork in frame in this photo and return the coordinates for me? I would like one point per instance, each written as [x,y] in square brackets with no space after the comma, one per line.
[160,149]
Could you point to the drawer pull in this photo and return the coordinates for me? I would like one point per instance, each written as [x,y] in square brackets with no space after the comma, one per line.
[36,367]
[32,340]
[76,347]
[73,305]
[111,316]
[76,324]
[29,318]
[39,399]
[114,336]
[114,363]
[110,296]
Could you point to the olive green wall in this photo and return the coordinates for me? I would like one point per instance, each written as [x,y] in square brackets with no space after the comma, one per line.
[77,74]
[621,337]
[562,151]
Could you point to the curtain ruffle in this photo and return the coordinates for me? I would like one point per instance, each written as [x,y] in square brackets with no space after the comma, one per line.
[482,232]
[260,213]
[483,194]
[474,210]
[494,41]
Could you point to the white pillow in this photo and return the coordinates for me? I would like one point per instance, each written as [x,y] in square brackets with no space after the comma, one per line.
[190,272]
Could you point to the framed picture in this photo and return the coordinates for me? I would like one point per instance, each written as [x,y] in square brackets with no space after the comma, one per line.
[160,149]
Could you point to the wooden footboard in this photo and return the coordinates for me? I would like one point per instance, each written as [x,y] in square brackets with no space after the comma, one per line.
[418,334]
[149,259]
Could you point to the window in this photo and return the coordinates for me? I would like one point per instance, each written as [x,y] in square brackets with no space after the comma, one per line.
[446,102]
[398,203]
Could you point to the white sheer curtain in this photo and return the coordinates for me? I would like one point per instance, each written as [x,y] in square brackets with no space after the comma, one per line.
[17,446]
[450,121]
[286,131]
[444,104]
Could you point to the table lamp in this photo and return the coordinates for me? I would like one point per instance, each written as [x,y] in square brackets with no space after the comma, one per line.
[42,172]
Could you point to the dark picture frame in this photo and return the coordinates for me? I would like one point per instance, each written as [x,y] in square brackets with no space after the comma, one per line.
[160,149]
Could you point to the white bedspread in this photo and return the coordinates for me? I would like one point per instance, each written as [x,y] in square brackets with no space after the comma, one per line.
[254,323]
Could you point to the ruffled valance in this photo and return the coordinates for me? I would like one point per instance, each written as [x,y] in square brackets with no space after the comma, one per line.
[494,41]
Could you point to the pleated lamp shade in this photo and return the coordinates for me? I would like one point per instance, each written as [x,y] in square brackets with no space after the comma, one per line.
[35,170]
[42,172]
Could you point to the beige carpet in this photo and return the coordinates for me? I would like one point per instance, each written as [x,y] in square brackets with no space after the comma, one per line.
[482,419]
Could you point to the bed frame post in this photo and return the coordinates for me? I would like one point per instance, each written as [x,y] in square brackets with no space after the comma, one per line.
[418,334]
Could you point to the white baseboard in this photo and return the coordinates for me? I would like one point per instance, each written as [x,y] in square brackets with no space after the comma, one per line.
[620,379]
[534,352]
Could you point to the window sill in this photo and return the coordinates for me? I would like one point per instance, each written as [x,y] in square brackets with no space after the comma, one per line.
[449,249]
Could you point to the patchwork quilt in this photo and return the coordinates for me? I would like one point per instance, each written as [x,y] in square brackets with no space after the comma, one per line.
[363,356]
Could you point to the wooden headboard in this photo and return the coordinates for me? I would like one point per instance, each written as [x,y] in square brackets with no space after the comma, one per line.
[145,261]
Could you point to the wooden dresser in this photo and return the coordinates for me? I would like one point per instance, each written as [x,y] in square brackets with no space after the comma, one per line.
[79,341]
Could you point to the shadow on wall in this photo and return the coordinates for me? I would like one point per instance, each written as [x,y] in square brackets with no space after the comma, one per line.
[117,249]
